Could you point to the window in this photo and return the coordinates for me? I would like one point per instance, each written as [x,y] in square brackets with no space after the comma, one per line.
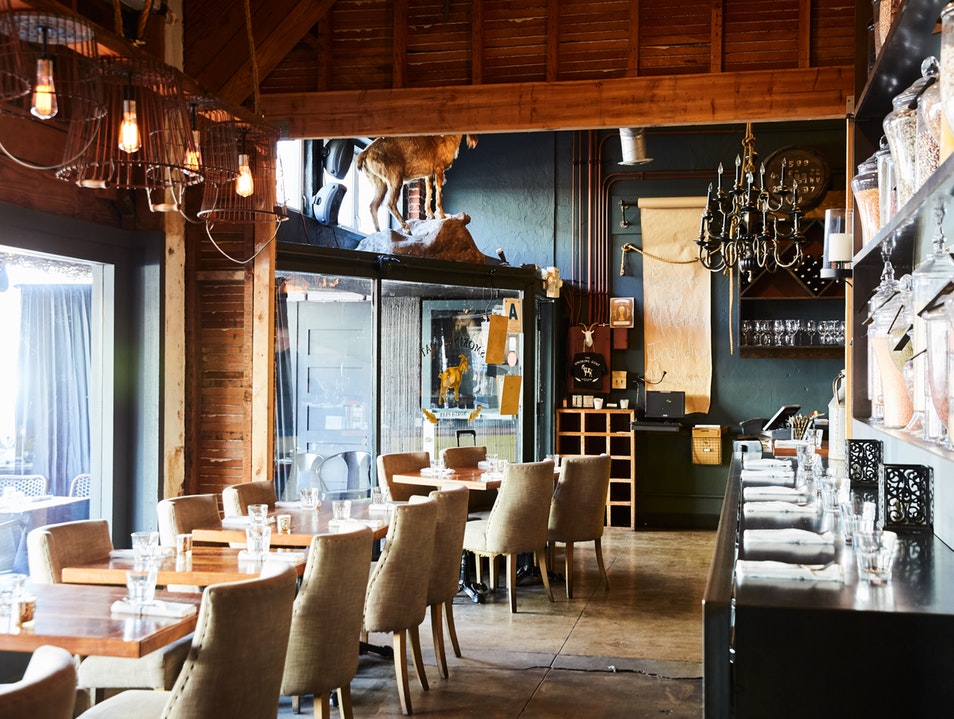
[290,177]
[355,212]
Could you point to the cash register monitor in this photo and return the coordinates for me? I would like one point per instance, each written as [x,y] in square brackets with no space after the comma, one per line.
[781,417]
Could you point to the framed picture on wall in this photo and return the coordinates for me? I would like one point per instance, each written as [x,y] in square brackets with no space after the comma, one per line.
[621,311]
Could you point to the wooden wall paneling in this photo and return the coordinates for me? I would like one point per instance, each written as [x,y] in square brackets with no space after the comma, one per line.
[674,38]
[761,34]
[477,43]
[203,46]
[804,33]
[553,41]
[716,38]
[515,41]
[439,43]
[399,45]
[361,44]
[323,52]
[594,39]
[833,41]
[632,57]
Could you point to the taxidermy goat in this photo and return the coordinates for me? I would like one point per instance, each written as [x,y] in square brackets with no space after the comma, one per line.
[390,162]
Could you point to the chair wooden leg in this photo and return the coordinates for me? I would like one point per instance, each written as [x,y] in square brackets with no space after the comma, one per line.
[296,703]
[544,572]
[323,705]
[400,670]
[415,638]
[344,702]
[478,569]
[512,581]
[437,631]
[568,570]
[599,561]
[451,628]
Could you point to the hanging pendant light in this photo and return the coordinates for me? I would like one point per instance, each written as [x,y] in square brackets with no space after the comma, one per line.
[147,138]
[55,57]
[248,196]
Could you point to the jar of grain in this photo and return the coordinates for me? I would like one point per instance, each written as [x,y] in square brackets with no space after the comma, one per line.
[864,187]
[900,127]
[928,127]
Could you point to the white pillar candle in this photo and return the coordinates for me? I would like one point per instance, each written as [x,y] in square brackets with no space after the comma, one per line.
[840,247]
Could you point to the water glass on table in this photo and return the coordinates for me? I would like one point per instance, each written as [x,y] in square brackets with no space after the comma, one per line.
[308,496]
[145,547]
[874,552]
[141,585]
[258,513]
[341,509]
[258,540]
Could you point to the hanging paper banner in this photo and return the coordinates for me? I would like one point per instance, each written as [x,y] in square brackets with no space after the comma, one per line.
[512,312]
[496,340]
[510,397]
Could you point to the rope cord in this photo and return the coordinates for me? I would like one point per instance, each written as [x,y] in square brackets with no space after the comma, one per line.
[252,56]
[630,247]
[226,255]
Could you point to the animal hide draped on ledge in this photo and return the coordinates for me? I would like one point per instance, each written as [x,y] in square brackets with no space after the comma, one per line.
[439,239]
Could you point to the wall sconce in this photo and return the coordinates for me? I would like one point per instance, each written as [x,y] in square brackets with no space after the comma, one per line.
[839,244]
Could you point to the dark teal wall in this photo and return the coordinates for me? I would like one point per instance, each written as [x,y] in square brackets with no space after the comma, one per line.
[517,191]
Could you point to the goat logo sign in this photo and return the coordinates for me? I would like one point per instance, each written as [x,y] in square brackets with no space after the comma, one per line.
[588,369]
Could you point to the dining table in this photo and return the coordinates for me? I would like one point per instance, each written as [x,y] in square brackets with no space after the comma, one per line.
[305,524]
[201,567]
[474,478]
[80,618]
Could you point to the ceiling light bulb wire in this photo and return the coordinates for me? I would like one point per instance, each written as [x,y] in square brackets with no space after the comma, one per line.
[226,255]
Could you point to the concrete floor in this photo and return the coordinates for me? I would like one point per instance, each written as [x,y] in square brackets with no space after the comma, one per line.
[634,651]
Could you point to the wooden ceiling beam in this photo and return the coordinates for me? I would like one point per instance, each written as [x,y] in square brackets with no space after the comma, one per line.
[671,100]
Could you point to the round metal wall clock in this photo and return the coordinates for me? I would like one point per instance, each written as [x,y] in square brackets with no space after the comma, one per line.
[804,165]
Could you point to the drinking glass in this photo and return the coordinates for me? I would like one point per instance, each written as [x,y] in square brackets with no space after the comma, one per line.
[748,329]
[145,548]
[258,540]
[341,509]
[778,332]
[308,496]
[810,329]
[141,585]
[258,513]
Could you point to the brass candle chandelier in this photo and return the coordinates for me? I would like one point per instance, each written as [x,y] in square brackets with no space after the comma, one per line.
[752,225]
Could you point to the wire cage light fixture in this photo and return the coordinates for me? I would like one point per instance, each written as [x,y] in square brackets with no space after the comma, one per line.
[751,226]
[147,138]
[249,195]
[56,57]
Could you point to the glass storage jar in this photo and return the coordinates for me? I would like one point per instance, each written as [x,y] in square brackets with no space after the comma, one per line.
[900,127]
[887,190]
[864,187]
[928,127]
[946,79]
[891,354]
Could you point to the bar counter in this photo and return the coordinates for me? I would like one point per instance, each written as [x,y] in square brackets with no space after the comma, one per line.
[786,648]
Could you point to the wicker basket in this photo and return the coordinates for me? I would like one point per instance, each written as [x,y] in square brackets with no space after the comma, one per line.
[707,445]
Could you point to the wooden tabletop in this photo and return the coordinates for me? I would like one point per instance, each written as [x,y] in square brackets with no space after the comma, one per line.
[78,618]
[207,565]
[470,477]
[305,524]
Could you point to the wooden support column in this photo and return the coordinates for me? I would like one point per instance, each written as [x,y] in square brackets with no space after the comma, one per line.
[263,355]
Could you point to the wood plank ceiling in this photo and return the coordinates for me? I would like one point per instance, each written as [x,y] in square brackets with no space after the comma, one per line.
[368,67]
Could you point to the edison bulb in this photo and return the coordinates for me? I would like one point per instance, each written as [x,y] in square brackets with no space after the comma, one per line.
[44,92]
[193,160]
[129,128]
[244,184]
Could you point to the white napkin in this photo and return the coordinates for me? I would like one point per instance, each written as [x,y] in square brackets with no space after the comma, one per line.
[283,504]
[778,507]
[787,536]
[765,463]
[767,569]
[491,477]
[131,554]
[293,557]
[346,524]
[240,522]
[153,609]
[791,494]
[428,472]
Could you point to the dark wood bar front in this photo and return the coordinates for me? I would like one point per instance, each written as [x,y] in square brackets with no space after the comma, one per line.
[788,648]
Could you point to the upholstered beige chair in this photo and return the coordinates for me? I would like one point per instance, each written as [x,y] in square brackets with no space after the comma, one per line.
[577,509]
[463,456]
[236,498]
[54,546]
[391,464]
[517,523]
[47,689]
[236,659]
[325,639]
[396,600]
[180,515]
[444,581]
